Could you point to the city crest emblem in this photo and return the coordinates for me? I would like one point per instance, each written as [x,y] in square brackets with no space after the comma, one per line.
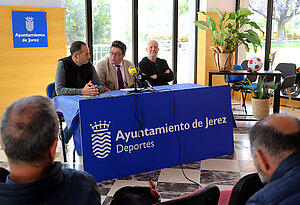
[29,23]
[101,139]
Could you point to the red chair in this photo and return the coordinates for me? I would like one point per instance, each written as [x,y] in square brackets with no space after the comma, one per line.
[242,190]
[208,195]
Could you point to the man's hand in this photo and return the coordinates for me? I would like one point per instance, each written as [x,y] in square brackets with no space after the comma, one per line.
[167,71]
[90,89]
[153,76]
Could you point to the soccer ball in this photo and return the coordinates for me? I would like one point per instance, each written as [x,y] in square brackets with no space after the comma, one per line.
[255,64]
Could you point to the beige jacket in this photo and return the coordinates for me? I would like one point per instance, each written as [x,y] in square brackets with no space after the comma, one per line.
[107,74]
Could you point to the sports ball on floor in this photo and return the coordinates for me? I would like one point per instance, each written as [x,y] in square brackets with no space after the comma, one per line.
[255,64]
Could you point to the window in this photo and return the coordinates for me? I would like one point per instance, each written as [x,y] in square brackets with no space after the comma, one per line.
[286,32]
[259,8]
[285,38]
[111,21]
[155,22]
[186,42]
[76,26]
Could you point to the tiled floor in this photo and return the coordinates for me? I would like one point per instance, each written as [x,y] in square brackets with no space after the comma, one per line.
[170,182]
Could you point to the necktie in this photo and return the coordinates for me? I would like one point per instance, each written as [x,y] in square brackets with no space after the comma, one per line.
[120,79]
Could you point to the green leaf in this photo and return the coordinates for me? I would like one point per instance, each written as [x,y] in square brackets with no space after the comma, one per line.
[253,33]
[232,16]
[221,24]
[215,35]
[247,47]
[251,38]
[217,11]
[229,26]
[202,25]
[253,24]
[211,23]
[244,11]
[224,15]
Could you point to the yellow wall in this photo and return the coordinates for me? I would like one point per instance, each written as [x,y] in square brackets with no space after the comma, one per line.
[27,71]
[205,55]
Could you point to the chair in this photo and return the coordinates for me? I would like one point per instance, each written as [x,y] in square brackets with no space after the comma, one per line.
[246,89]
[50,94]
[235,78]
[240,83]
[241,191]
[236,81]
[207,195]
[252,78]
[289,74]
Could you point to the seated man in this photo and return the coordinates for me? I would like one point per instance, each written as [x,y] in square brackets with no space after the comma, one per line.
[76,75]
[275,147]
[29,130]
[113,71]
[156,69]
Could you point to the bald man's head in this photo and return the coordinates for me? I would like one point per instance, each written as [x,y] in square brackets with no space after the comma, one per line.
[283,123]
[276,134]
[28,127]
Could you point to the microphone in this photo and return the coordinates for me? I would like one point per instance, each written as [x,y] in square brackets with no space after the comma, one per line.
[143,79]
[132,70]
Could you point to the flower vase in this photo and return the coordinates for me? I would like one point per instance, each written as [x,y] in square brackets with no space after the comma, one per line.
[224,61]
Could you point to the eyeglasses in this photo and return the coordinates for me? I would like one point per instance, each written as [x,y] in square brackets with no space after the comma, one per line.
[117,54]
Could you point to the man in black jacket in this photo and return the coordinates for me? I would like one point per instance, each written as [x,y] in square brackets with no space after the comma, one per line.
[29,130]
[76,75]
[156,69]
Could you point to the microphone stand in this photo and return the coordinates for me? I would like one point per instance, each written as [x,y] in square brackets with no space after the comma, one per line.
[135,87]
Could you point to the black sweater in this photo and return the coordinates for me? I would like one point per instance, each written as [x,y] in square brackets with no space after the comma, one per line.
[159,68]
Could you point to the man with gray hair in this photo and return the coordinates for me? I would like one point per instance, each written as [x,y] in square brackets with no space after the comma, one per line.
[156,69]
[29,131]
[275,147]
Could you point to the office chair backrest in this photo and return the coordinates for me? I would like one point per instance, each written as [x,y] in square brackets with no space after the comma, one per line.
[235,78]
[286,69]
[51,90]
[245,188]
[244,65]
[207,195]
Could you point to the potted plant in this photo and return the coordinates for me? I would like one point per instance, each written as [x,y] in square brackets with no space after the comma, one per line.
[261,97]
[229,34]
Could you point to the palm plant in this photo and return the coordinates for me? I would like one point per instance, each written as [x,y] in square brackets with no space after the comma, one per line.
[231,32]
[262,91]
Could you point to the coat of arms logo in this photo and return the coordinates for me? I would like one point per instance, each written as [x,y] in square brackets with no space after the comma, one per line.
[29,23]
[101,139]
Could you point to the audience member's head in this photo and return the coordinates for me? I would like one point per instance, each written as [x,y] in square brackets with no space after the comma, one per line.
[29,130]
[117,52]
[152,49]
[80,53]
[273,139]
